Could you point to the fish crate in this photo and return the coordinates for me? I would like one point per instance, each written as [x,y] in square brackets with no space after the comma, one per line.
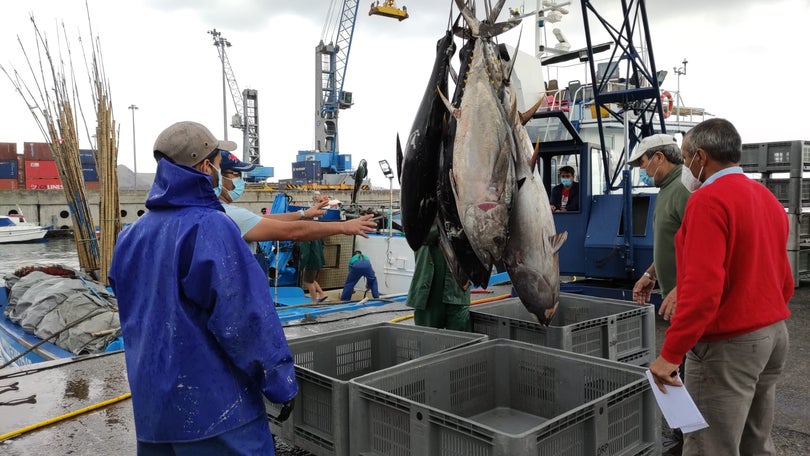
[605,328]
[324,364]
[781,190]
[504,398]
[781,156]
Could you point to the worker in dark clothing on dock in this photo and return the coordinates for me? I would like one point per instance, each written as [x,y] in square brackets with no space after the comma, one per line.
[436,298]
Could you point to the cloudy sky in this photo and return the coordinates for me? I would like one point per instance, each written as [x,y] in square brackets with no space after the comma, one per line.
[743,65]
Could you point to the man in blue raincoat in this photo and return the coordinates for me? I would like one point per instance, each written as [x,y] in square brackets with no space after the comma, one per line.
[203,341]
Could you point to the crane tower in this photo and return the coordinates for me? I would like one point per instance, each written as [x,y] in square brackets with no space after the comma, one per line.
[246,104]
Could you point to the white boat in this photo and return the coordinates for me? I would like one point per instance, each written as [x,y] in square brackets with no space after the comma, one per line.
[15,229]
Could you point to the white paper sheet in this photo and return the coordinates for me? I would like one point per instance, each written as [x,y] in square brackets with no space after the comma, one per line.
[678,407]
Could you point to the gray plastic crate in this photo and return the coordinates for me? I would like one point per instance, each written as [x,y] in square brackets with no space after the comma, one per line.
[781,190]
[324,364]
[505,398]
[779,156]
[602,327]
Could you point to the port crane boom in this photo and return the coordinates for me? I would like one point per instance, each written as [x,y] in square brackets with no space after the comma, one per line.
[245,103]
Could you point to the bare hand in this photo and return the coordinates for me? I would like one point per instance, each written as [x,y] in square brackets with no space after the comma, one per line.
[360,226]
[316,210]
[665,373]
[667,309]
[643,290]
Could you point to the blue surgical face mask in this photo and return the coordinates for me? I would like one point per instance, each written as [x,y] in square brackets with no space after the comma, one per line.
[645,178]
[218,188]
[238,188]
[566,181]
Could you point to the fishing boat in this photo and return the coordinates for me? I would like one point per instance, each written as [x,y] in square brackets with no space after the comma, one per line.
[16,229]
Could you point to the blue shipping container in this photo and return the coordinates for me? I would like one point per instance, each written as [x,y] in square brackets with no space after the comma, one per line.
[90,173]
[344,162]
[8,169]
[86,156]
[307,170]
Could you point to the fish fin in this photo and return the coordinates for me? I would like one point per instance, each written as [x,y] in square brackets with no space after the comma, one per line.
[400,157]
[493,14]
[453,185]
[557,241]
[453,74]
[454,111]
[535,156]
[512,61]
[491,30]
[469,17]
[527,116]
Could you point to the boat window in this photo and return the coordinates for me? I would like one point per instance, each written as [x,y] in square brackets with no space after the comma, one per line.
[64,214]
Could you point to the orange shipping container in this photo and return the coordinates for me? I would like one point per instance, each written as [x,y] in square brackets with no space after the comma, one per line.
[90,185]
[8,184]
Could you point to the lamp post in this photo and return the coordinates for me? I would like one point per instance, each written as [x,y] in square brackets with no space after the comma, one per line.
[221,43]
[680,72]
[386,169]
[132,108]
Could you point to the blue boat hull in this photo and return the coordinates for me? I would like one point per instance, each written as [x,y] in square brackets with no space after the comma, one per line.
[14,341]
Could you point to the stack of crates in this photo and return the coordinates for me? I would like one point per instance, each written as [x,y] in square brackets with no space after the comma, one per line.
[325,363]
[784,167]
[605,328]
[505,398]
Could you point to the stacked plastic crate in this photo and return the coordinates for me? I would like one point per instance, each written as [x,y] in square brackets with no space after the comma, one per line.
[505,398]
[605,328]
[324,365]
[784,167]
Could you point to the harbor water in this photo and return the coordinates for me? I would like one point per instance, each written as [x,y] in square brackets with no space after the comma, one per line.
[51,251]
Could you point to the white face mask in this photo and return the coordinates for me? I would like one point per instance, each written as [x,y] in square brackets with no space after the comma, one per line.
[689,180]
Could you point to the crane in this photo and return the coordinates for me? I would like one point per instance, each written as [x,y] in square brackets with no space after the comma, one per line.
[246,103]
[331,62]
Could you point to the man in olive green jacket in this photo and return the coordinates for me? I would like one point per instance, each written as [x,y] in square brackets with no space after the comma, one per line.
[437,300]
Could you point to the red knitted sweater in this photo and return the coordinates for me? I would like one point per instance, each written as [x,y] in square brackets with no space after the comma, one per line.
[733,270]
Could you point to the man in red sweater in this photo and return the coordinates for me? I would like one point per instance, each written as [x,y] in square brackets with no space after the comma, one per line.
[734,283]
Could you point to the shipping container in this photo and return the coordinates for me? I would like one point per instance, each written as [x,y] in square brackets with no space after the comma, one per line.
[8,151]
[87,156]
[43,184]
[8,169]
[8,184]
[37,151]
[41,169]
[90,185]
[20,171]
[90,173]
[307,170]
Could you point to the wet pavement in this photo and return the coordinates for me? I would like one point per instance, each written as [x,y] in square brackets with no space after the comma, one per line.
[62,387]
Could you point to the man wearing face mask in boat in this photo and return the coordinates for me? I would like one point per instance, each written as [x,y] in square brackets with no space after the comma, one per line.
[565,195]
[292,226]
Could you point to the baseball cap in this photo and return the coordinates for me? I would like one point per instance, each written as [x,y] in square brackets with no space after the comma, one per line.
[230,162]
[188,143]
[648,143]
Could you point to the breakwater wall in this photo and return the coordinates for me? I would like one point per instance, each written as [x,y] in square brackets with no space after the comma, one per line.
[49,207]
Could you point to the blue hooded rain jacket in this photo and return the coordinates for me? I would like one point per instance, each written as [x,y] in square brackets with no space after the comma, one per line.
[203,340]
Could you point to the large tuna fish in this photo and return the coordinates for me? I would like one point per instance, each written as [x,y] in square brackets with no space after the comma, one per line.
[483,154]
[459,254]
[531,255]
[420,162]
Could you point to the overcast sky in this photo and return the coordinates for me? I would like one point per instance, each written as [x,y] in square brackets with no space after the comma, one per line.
[744,65]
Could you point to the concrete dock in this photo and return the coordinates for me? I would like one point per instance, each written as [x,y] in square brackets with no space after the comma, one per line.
[68,385]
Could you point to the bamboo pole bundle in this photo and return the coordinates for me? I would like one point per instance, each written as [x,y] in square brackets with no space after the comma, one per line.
[52,109]
[106,154]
